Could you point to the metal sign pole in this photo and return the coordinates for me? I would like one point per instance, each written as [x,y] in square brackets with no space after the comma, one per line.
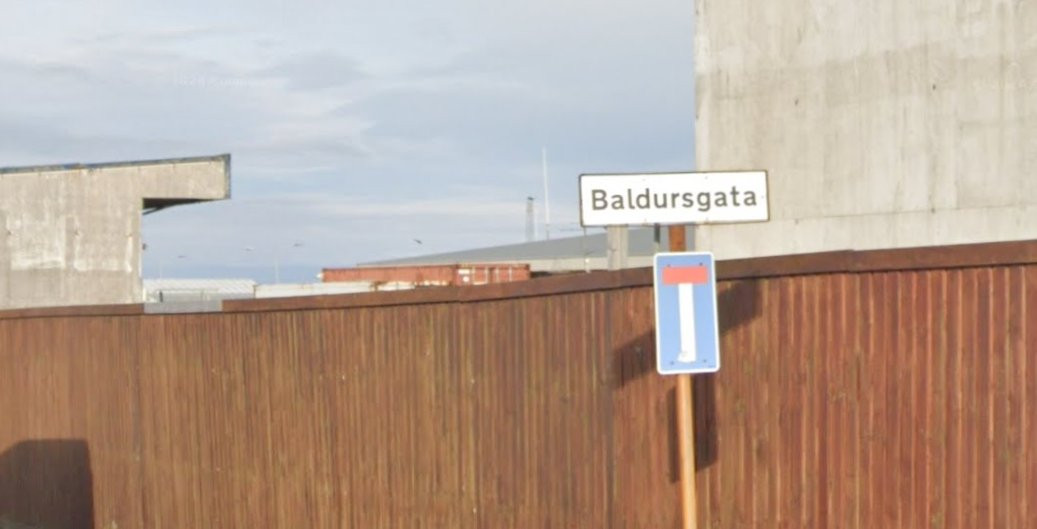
[685,419]
[617,242]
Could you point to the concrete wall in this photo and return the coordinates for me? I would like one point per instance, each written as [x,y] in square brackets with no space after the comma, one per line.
[71,234]
[890,123]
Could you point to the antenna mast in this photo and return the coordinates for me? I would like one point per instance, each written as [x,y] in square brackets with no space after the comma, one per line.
[547,200]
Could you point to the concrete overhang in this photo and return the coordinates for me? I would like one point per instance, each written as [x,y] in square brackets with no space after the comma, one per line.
[161,183]
[70,234]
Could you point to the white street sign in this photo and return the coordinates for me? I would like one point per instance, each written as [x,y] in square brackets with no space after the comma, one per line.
[673,198]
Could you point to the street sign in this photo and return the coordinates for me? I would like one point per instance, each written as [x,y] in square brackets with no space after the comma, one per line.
[687,337]
[673,198]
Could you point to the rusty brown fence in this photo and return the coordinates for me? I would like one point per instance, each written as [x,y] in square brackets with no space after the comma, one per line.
[859,390]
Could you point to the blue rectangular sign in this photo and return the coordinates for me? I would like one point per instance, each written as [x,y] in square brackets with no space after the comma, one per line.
[687,337]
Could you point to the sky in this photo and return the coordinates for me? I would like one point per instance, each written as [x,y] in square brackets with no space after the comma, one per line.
[358,130]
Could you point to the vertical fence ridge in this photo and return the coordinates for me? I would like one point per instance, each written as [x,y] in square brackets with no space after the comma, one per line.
[847,399]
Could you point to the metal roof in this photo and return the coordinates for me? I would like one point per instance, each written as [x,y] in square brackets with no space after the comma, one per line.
[569,253]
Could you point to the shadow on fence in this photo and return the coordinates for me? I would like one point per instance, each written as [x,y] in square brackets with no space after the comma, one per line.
[46,483]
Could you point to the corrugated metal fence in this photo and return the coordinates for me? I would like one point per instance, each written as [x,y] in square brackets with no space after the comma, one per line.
[859,390]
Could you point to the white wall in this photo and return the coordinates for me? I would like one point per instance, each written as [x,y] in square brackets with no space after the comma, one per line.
[71,235]
[889,123]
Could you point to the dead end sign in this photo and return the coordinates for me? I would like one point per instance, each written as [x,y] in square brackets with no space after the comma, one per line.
[686,328]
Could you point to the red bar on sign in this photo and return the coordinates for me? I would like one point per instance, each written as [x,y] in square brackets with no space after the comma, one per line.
[675,275]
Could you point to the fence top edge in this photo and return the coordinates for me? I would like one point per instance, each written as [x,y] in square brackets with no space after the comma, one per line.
[883,260]
[843,261]
[543,286]
[130,309]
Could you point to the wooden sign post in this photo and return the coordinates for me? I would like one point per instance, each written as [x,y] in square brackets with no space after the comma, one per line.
[616,201]
[685,420]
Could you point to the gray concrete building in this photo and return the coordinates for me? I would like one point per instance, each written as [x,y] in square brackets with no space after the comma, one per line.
[72,232]
[890,123]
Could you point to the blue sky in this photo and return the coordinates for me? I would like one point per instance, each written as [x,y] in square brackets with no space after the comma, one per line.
[355,127]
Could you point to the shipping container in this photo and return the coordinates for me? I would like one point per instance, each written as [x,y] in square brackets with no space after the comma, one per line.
[432,275]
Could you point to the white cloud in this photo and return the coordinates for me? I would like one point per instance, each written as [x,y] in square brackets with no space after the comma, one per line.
[316,70]
[359,125]
[470,207]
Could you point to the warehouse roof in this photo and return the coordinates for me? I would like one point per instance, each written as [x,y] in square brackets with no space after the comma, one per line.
[585,252]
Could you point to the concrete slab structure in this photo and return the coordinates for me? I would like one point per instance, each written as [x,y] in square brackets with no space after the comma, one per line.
[71,233]
[891,123]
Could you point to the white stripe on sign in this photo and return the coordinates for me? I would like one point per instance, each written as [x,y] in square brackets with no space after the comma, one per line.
[686,313]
